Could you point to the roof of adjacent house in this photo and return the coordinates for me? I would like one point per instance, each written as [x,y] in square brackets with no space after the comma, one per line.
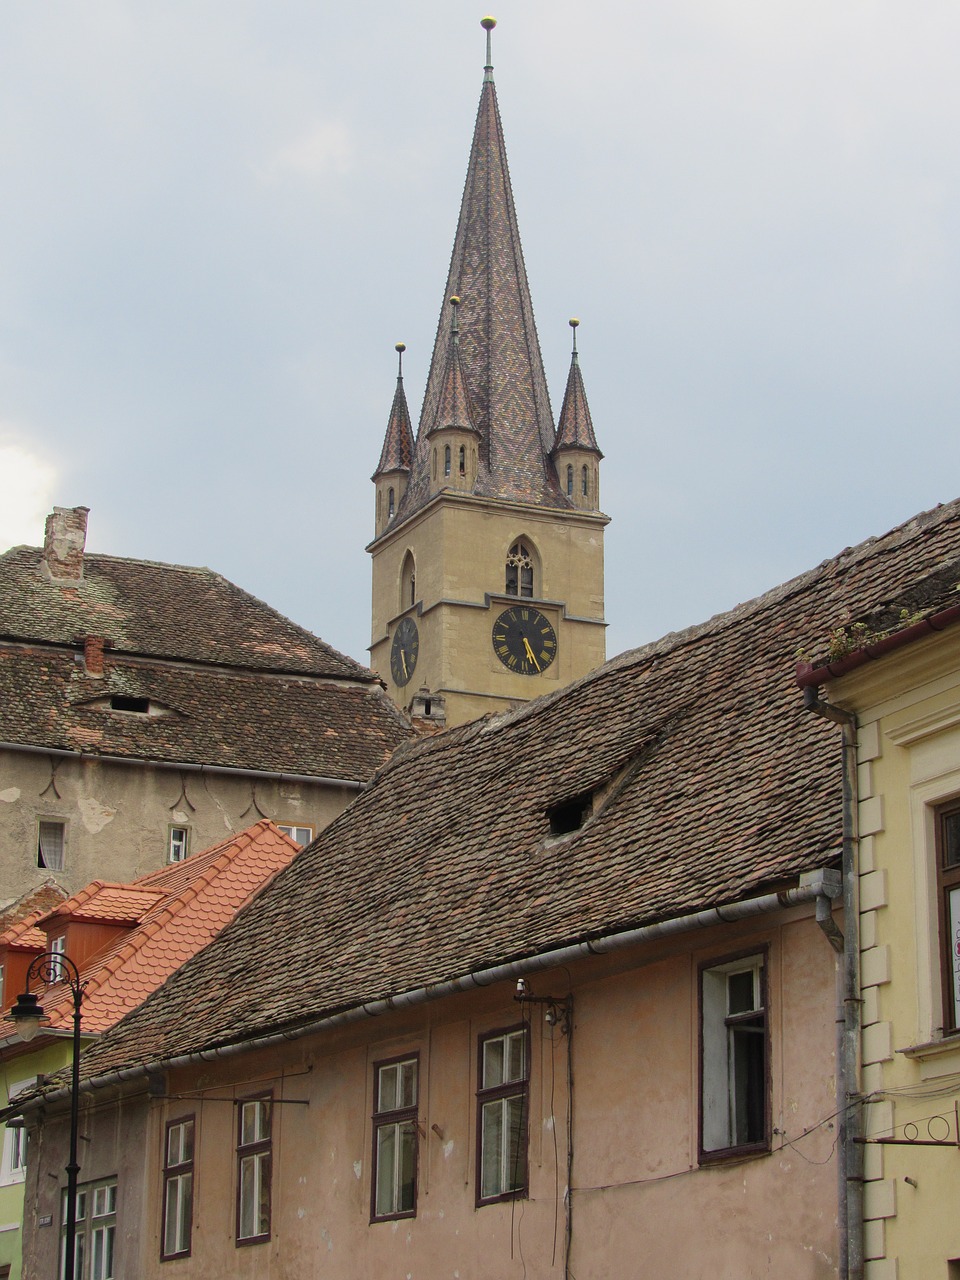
[710,784]
[170,914]
[228,681]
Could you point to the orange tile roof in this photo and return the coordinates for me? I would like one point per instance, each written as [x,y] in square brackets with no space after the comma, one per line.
[186,905]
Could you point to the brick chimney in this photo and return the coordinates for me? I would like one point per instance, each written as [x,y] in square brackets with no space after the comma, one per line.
[64,538]
[93,647]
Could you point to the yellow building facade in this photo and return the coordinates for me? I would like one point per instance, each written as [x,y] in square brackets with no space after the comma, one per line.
[907,708]
[488,546]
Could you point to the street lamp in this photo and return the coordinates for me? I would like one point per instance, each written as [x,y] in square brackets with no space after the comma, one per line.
[27,1013]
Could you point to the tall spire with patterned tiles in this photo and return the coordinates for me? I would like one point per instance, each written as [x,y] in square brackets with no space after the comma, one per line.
[488,552]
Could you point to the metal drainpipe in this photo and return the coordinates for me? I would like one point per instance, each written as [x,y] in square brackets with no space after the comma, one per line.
[849,1101]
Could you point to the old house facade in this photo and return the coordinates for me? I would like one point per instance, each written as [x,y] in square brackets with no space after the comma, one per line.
[894,677]
[488,534]
[150,710]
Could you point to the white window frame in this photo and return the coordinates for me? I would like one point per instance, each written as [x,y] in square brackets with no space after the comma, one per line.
[178,1165]
[395,1138]
[96,1239]
[254,1168]
[178,844]
[734,1058]
[13,1163]
[294,831]
[502,1122]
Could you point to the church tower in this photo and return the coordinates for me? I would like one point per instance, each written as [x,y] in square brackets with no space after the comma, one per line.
[488,543]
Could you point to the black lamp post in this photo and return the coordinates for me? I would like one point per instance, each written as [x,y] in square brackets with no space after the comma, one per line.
[54,966]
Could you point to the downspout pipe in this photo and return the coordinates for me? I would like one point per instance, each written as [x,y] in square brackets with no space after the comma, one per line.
[849,1098]
[813,886]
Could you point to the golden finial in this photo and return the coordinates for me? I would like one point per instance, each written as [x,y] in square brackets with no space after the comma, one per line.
[400,348]
[488,24]
[574,323]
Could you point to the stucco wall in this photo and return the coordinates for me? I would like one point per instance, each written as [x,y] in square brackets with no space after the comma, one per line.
[640,1203]
[119,816]
[908,708]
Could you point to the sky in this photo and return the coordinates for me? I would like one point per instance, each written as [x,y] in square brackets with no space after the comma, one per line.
[217,220]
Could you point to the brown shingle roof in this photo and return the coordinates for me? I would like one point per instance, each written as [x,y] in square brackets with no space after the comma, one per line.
[575,428]
[159,610]
[211,716]
[397,451]
[719,786]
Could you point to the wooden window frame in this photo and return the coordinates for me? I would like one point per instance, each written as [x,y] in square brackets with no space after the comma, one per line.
[398,1116]
[948,880]
[260,1150]
[175,1173]
[510,1089]
[728,964]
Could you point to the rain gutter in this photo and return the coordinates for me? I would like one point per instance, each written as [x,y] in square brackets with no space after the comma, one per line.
[814,885]
[810,677]
[349,784]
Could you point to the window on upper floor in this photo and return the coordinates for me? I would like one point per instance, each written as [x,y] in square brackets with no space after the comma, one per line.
[446,459]
[57,947]
[395,1134]
[734,1076]
[948,886]
[462,466]
[584,482]
[502,1099]
[177,1189]
[391,504]
[178,844]
[569,481]
[96,1231]
[302,835]
[254,1168]
[13,1163]
[519,571]
[51,842]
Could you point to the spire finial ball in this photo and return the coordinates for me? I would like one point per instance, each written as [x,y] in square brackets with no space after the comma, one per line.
[574,323]
[454,301]
[401,346]
[488,23]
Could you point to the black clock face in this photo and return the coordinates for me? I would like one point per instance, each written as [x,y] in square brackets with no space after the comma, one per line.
[404,650]
[524,640]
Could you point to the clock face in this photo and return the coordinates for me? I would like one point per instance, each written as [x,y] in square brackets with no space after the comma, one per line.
[524,640]
[404,651]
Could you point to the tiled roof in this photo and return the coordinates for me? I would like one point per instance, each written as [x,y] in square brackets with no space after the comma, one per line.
[453,405]
[499,348]
[575,428]
[210,716]
[182,909]
[120,904]
[397,451]
[34,902]
[716,786]
[161,611]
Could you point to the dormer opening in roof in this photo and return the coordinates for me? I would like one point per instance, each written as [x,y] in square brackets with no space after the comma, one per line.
[575,454]
[396,457]
[453,436]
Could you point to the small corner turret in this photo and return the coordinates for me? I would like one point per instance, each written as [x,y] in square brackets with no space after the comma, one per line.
[453,436]
[396,457]
[575,453]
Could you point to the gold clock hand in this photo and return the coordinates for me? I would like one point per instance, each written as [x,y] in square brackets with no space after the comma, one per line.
[526,645]
[403,659]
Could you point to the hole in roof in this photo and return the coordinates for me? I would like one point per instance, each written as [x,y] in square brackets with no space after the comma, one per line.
[122,702]
[570,815]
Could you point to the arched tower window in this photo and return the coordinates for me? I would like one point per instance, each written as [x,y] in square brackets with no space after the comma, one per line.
[408,582]
[446,460]
[519,571]
[391,503]
[463,460]
[569,482]
[584,483]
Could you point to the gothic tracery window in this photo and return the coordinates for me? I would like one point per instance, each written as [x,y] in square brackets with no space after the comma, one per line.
[519,574]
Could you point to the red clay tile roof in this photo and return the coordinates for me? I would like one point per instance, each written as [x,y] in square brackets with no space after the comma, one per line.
[719,787]
[183,908]
[499,348]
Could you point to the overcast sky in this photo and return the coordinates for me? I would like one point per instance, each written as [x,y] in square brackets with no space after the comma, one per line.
[216,220]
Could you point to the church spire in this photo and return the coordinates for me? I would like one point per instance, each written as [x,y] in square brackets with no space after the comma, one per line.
[499,352]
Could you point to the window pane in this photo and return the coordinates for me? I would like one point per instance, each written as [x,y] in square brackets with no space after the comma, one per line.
[386,1169]
[406,1180]
[492,1149]
[388,1088]
[493,1063]
[514,1054]
[513,1167]
[248,1196]
[953,942]
[50,851]
[740,992]
[408,1085]
[951,840]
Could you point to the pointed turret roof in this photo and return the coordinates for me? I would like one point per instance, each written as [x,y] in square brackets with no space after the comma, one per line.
[575,428]
[500,357]
[398,445]
[453,406]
